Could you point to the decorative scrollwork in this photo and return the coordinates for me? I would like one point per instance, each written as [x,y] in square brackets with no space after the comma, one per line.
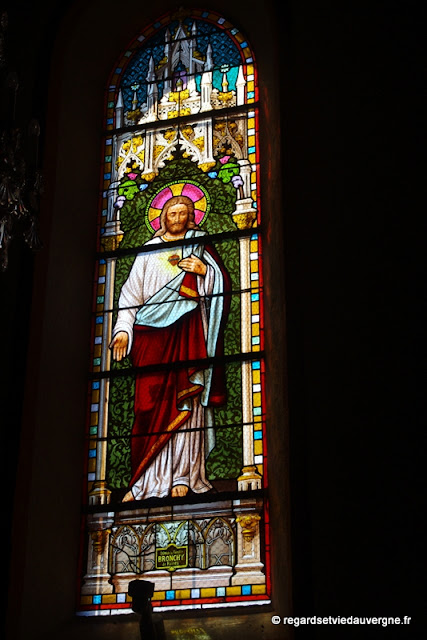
[249,525]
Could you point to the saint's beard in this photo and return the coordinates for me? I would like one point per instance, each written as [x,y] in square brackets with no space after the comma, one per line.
[176,228]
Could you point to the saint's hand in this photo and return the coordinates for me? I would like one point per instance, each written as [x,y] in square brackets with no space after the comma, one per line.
[193,264]
[119,345]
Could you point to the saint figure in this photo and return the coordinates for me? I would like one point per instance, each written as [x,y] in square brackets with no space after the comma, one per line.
[173,308]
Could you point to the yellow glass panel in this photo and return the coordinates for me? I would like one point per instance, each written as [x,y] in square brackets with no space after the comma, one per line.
[159,595]
[258,447]
[257,399]
[253,177]
[233,591]
[207,593]
[86,600]
[101,289]
[183,594]
[201,204]
[247,52]
[258,425]
[95,396]
[256,347]
[255,329]
[252,158]
[258,589]
[256,377]
[251,123]
[102,269]
[109,598]
[92,444]
[254,266]
[260,469]
[96,369]
[97,351]
[255,308]
[254,246]
[176,188]
[250,69]
[94,419]
[251,85]
[254,285]
[91,467]
[98,330]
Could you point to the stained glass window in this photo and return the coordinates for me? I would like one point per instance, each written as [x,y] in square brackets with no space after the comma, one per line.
[175,479]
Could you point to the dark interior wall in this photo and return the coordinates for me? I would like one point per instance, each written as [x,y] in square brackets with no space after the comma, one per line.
[350,87]
[353,266]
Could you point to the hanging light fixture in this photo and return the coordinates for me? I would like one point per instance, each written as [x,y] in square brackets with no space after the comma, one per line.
[20,176]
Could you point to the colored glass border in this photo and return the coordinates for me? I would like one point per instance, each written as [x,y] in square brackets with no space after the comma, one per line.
[105,604]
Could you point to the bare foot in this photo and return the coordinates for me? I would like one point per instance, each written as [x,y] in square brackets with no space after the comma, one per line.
[128,497]
[179,491]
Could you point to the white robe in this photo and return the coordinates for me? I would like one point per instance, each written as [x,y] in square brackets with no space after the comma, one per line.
[182,459]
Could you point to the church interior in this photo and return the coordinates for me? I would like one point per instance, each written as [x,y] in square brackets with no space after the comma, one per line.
[339,136]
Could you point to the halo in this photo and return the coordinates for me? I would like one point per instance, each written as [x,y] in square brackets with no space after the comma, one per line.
[192,190]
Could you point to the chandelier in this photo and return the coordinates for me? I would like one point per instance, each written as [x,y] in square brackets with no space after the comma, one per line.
[20,176]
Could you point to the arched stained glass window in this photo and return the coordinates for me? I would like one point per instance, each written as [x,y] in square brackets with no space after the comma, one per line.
[175,484]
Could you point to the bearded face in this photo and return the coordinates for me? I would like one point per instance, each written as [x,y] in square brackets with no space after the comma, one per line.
[177,219]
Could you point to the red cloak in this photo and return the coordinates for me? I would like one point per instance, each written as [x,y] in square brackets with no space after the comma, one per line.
[158,394]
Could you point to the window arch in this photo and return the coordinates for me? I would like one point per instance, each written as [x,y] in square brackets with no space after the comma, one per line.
[176,423]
